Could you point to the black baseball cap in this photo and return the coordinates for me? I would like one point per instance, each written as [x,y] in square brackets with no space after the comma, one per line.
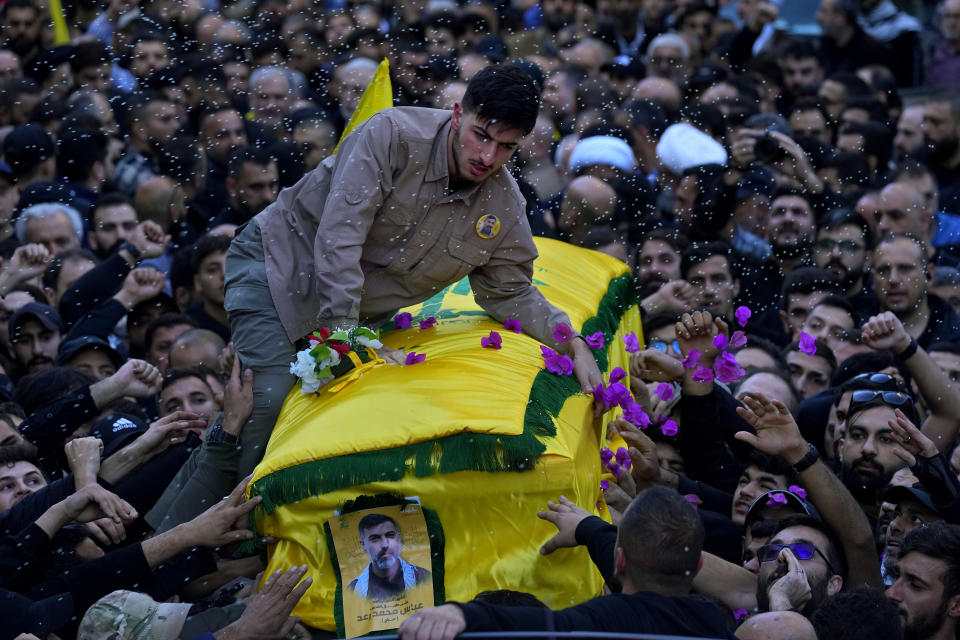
[116,430]
[896,494]
[73,346]
[760,508]
[27,146]
[45,314]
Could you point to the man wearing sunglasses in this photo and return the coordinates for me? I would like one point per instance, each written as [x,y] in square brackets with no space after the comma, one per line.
[867,448]
[803,550]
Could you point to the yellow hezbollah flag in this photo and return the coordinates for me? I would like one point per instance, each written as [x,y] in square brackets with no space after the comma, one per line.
[482,438]
[61,35]
[376,97]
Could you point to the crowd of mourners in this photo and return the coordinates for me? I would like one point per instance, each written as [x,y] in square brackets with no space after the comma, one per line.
[802,189]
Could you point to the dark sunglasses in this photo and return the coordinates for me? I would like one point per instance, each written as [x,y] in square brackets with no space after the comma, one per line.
[803,551]
[877,378]
[892,398]
[661,346]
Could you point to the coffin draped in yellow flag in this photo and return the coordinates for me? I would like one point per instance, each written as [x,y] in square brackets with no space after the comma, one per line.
[482,437]
[376,97]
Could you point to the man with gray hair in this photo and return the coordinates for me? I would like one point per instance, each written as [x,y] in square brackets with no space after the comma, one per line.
[351,80]
[272,92]
[667,57]
[56,226]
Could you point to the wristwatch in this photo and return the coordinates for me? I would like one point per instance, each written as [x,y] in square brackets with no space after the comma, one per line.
[129,246]
[806,461]
[217,434]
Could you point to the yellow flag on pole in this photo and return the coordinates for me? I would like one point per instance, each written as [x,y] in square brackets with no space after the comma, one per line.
[376,97]
[61,35]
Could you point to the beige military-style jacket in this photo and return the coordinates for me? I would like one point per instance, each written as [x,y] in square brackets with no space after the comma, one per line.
[376,228]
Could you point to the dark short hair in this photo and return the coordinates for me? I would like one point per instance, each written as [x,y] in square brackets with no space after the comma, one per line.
[504,94]
[658,320]
[649,114]
[911,168]
[79,150]
[862,613]
[248,155]
[89,54]
[372,520]
[702,252]
[822,351]
[662,519]
[197,371]
[834,550]
[839,302]
[868,362]
[945,347]
[800,50]
[44,387]
[165,321]
[109,200]
[15,453]
[807,280]
[843,217]
[206,246]
[940,541]
[768,347]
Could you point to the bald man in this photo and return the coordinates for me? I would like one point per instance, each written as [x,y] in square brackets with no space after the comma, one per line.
[589,202]
[664,92]
[777,625]
[901,210]
[197,346]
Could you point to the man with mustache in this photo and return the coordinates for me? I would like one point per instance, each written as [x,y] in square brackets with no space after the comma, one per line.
[926,586]
[791,227]
[843,247]
[867,448]
[35,333]
[941,133]
[901,273]
[388,575]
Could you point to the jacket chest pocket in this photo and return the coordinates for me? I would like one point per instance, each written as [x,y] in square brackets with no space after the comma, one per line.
[457,259]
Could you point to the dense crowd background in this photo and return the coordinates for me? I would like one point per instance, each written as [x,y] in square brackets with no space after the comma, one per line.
[800,160]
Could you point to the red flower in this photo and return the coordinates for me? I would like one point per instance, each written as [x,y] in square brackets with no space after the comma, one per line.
[324,334]
[342,349]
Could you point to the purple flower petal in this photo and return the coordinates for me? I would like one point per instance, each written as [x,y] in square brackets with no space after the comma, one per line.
[726,368]
[402,320]
[595,341]
[598,395]
[615,394]
[429,323]
[702,374]
[606,455]
[669,428]
[720,341]
[776,500]
[512,324]
[800,491]
[691,359]
[621,455]
[743,314]
[808,344]
[664,391]
[737,340]
[740,614]
[559,364]
[604,485]
[631,343]
[617,374]
[493,341]
[415,358]
[635,415]
[693,499]
[615,469]
[562,333]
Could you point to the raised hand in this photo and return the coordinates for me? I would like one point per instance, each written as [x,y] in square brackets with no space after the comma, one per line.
[674,296]
[777,431]
[696,331]
[565,515]
[267,614]
[237,399]
[137,378]
[792,591]
[149,239]
[912,443]
[139,285]
[651,365]
[29,261]
[83,459]
[885,332]
[645,464]
[217,526]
